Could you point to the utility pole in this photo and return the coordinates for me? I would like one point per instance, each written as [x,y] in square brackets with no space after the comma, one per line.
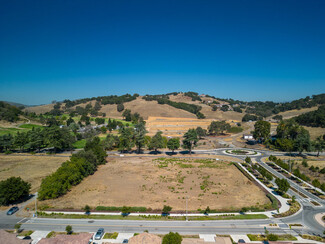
[186,209]
[35,205]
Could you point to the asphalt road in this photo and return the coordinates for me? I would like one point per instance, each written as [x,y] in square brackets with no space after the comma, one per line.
[305,217]
[189,227]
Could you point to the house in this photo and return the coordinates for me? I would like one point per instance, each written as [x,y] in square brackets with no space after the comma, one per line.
[145,238]
[248,137]
[82,238]
[6,237]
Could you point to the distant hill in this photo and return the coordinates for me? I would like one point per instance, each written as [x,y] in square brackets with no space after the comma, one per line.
[9,112]
[177,104]
[18,105]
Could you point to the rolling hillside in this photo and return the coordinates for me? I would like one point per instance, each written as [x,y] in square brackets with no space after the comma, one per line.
[152,108]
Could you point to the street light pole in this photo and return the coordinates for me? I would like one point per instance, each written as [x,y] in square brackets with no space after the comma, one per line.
[35,205]
[186,209]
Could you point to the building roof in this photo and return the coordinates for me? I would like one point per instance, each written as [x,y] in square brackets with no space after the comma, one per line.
[82,238]
[6,237]
[145,238]
[219,240]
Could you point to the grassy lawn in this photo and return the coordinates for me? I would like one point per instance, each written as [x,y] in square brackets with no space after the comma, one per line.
[110,235]
[30,126]
[81,143]
[159,217]
[5,131]
[22,128]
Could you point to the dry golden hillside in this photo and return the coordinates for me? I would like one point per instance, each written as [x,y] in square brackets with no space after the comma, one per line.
[295,112]
[146,109]
[40,109]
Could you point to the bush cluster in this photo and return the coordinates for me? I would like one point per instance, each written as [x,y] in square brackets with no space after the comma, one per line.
[72,172]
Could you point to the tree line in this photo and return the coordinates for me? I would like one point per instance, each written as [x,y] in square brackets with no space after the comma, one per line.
[72,172]
[290,136]
[314,118]
[48,137]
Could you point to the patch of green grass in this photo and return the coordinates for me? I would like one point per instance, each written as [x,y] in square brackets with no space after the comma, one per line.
[184,165]
[30,126]
[80,144]
[49,235]
[110,235]
[5,131]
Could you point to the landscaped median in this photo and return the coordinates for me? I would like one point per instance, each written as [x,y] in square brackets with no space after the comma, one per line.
[284,202]
[151,216]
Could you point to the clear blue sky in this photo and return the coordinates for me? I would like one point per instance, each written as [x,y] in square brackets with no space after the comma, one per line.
[248,50]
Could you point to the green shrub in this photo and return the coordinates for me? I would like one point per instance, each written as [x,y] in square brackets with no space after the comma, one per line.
[49,235]
[272,237]
[172,238]
[68,229]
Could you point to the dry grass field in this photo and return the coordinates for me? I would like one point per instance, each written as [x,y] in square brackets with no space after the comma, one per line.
[40,109]
[296,112]
[309,173]
[312,161]
[153,182]
[174,126]
[30,168]
[315,131]
[146,109]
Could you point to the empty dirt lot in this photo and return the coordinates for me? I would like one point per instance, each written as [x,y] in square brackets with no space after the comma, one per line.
[153,182]
[30,168]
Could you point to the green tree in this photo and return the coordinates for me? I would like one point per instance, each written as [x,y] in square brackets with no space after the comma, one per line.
[262,130]
[20,140]
[302,141]
[13,189]
[35,139]
[87,209]
[139,135]
[125,210]
[157,141]
[218,127]
[58,138]
[6,142]
[190,139]
[100,121]
[70,121]
[110,142]
[97,106]
[97,148]
[319,145]
[166,209]
[173,144]
[125,138]
[248,160]
[283,185]
[120,107]
[68,229]
[172,238]
[200,132]
[127,114]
